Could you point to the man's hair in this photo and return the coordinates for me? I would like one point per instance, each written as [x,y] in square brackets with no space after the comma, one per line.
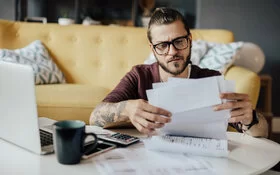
[165,16]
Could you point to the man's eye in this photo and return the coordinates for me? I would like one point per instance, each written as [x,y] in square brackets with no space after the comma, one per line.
[179,41]
[162,46]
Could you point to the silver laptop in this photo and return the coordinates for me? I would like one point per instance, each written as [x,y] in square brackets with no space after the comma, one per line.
[19,123]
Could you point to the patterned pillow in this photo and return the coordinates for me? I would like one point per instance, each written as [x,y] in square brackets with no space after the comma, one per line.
[37,56]
[220,56]
[199,49]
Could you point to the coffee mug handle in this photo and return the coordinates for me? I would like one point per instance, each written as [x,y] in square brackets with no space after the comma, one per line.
[94,145]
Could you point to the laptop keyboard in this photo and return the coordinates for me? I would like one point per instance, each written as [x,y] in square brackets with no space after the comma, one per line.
[46,138]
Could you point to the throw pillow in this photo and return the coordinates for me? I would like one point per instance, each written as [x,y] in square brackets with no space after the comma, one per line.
[220,56]
[151,59]
[199,49]
[37,56]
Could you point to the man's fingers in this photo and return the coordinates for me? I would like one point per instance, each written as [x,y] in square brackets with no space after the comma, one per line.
[234,96]
[235,119]
[240,111]
[237,112]
[145,117]
[155,118]
[148,124]
[155,110]
[244,119]
[232,105]
[142,129]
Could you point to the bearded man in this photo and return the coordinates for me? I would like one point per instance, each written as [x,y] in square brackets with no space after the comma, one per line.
[170,41]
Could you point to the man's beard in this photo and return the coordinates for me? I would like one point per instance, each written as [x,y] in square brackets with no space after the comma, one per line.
[178,71]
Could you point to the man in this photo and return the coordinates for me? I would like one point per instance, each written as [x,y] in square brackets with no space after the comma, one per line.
[171,42]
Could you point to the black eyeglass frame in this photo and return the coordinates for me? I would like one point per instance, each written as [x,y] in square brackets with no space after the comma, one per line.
[171,42]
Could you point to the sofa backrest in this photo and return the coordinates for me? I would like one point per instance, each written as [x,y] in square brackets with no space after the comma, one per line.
[95,55]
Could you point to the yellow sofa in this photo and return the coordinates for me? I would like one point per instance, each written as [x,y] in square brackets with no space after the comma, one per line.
[94,59]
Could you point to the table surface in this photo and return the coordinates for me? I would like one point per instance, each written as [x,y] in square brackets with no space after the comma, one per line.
[247,155]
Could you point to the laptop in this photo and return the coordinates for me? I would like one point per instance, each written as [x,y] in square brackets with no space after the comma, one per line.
[19,123]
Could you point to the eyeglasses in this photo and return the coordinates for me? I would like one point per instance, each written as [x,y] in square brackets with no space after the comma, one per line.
[179,43]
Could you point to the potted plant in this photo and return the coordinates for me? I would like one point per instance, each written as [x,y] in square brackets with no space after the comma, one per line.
[64,19]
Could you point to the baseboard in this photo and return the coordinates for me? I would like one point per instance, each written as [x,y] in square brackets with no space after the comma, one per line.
[276,124]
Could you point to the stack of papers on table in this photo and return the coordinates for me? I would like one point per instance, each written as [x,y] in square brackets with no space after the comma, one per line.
[136,160]
[191,103]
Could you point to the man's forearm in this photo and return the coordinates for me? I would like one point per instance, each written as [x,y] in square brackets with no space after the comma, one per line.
[106,113]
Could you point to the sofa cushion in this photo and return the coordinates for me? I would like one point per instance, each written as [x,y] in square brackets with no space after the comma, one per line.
[37,56]
[68,101]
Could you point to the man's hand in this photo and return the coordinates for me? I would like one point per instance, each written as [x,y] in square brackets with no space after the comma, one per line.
[240,106]
[145,117]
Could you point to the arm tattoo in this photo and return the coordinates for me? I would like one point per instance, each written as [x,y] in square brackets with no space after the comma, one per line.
[106,113]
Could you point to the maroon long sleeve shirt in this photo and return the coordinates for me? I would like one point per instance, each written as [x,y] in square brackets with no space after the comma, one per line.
[135,83]
[141,77]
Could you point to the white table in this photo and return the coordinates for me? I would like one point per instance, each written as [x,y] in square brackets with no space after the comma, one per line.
[248,156]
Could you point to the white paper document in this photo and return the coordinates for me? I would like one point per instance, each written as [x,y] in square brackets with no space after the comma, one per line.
[189,145]
[202,122]
[184,94]
[191,103]
[139,161]
[98,130]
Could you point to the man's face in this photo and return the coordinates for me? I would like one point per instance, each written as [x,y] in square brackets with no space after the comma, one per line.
[175,60]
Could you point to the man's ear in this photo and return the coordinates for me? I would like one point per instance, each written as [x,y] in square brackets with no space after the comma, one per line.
[151,47]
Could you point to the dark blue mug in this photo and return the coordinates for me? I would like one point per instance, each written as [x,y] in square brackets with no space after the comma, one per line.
[69,139]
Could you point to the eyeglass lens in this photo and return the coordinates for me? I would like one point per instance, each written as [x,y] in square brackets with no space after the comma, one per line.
[179,44]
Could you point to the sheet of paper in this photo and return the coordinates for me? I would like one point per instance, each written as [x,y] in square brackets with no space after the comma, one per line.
[186,95]
[98,130]
[191,103]
[190,145]
[224,85]
[203,122]
[152,96]
[198,130]
[162,84]
[140,161]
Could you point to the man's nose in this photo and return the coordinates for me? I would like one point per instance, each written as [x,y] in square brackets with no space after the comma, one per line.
[172,50]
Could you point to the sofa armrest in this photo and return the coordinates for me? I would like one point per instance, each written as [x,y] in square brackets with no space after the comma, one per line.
[68,101]
[247,82]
